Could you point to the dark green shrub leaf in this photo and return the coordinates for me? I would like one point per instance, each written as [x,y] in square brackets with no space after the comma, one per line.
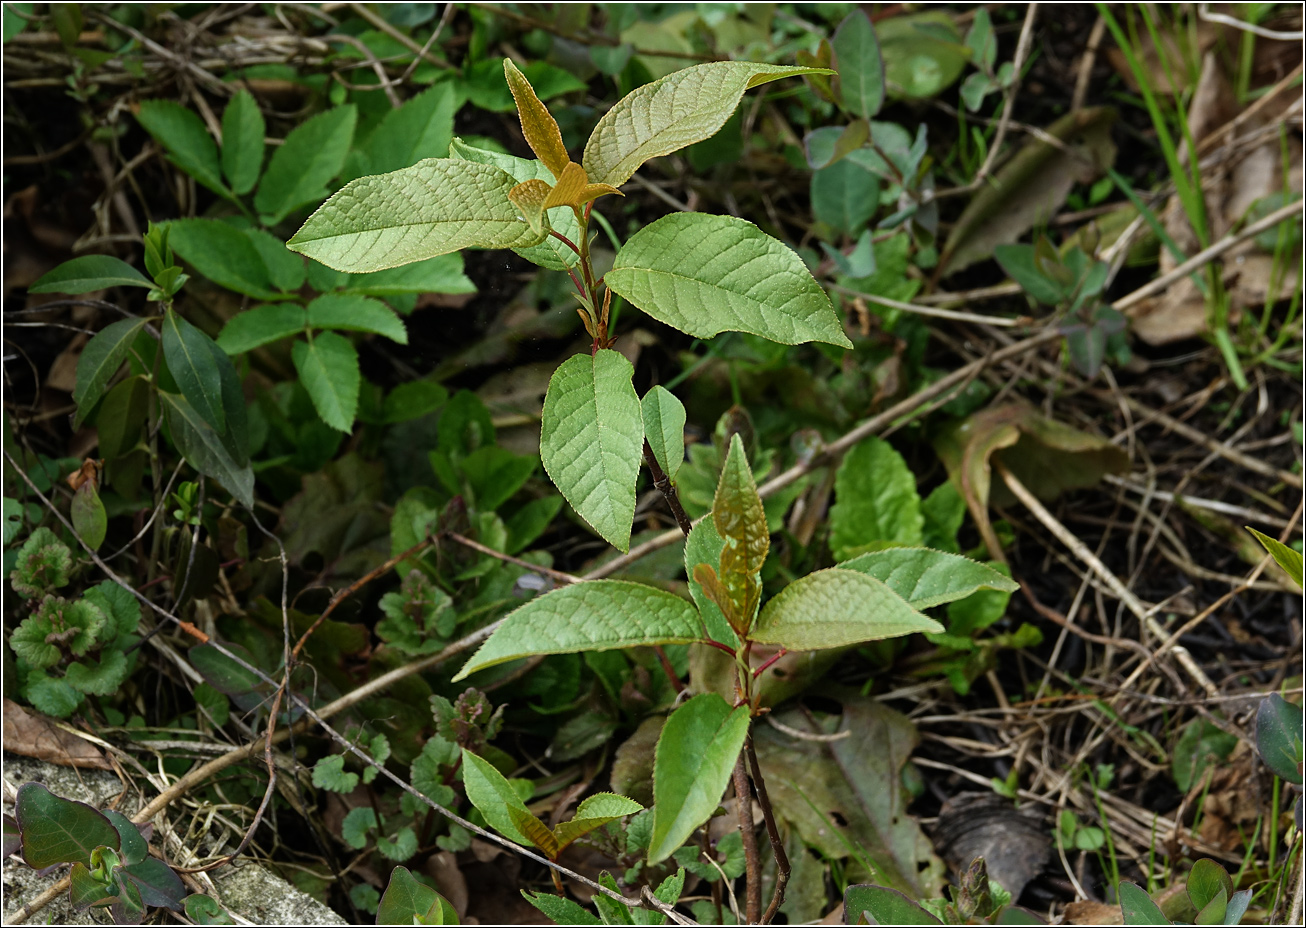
[875,500]
[1207,880]
[57,830]
[187,142]
[559,909]
[1285,557]
[89,273]
[695,756]
[98,678]
[100,360]
[421,128]
[530,521]
[262,325]
[880,905]
[328,369]
[354,313]
[226,676]
[207,451]
[1019,263]
[193,368]
[157,884]
[861,69]
[408,902]
[495,474]
[286,269]
[121,418]
[243,131]
[302,167]
[597,615]
[223,254]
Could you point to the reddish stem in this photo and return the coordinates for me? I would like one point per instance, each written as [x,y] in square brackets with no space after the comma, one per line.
[768,662]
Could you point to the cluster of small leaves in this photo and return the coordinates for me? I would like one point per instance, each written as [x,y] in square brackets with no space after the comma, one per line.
[111,865]
[1072,284]
[67,649]
[975,900]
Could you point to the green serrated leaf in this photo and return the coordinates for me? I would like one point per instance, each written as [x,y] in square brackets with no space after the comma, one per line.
[262,325]
[57,830]
[100,360]
[98,678]
[832,608]
[399,846]
[695,756]
[207,451]
[243,131]
[551,252]
[926,578]
[880,905]
[435,207]
[88,273]
[352,312]
[493,795]
[559,909]
[703,546]
[664,429]
[187,142]
[223,254]
[328,368]
[192,365]
[421,128]
[860,66]
[302,167]
[591,440]
[597,615]
[875,500]
[706,274]
[680,109]
[594,813]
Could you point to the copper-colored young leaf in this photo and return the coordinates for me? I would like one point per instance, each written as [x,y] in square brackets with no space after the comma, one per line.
[540,128]
[571,184]
[531,198]
[741,522]
[706,577]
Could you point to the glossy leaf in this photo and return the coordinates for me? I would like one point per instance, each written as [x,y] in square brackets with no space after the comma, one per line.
[132,844]
[1287,558]
[354,313]
[1237,906]
[664,429]
[57,830]
[88,515]
[861,69]
[1137,906]
[680,109]
[207,451]
[89,273]
[260,326]
[243,131]
[183,136]
[1206,881]
[591,440]
[301,168]
[551,252]
[100,360]
[1279,737]
[328,368]
[537,124]
[433,208]
[926,578]
[695,756]
[84,889]
[706,274]
[493,796]
[596,615]
[156,882]
[880,905]
[833,608]
[703,548]
[192,365]
[875,500]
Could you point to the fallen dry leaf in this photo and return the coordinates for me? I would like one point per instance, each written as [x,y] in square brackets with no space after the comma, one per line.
[1014,845]
[1088,912]
[34,735]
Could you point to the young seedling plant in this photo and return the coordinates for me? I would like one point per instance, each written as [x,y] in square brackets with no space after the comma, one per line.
[702,274]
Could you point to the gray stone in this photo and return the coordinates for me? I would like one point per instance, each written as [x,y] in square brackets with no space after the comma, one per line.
[248,890]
